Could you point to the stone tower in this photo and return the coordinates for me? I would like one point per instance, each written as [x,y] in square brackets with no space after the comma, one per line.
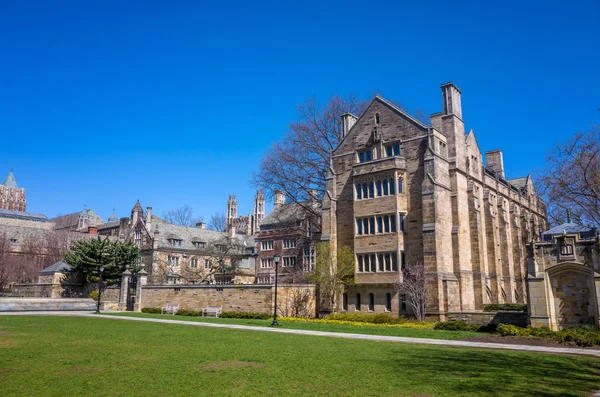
[11,196]
[259,209]
[231,210]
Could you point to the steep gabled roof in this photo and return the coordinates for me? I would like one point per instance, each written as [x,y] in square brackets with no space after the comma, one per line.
[58,267]
[289,214]
[519,182]
[10,180]
[570,228]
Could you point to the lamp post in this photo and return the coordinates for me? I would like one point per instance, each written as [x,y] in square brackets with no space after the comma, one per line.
[276,258]
[101,269]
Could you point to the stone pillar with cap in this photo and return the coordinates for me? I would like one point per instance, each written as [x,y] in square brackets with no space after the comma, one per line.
[142,279]
[125,280]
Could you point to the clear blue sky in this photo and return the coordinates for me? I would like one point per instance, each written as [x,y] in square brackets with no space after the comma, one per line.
[173,102]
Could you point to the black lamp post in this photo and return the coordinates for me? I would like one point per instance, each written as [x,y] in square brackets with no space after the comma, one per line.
[276,258]
[101,269]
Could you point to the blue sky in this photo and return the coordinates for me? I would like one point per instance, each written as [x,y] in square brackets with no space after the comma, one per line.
[106,102]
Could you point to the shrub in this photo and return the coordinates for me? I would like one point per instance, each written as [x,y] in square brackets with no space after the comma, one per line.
[455,325]
[246,315]
[581,336]
[151,310]
[185,312]
[381,318]
[511,307]
[94,295]
[511,330]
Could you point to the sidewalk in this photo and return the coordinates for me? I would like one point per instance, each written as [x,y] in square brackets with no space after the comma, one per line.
[380,338]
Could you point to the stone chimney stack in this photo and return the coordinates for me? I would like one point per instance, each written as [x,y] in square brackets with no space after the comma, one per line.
[201,225]
[494,161]
[348,120]
[148,217]
[232,231]
[451,100]
[279,199]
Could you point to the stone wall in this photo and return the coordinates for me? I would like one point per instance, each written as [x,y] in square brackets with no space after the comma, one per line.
[484,318]
[43,304]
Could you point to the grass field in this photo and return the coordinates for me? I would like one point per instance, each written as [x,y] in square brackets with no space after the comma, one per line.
[73,356]
[352,329]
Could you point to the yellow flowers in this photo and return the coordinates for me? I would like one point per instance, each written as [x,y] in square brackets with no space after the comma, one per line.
[414,325]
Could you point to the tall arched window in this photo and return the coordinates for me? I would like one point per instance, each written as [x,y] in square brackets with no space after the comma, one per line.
[357,304]
[400,185]
[371,302]
[392,186]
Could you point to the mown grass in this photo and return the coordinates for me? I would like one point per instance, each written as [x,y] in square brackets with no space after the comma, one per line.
[352,329]
[86,356]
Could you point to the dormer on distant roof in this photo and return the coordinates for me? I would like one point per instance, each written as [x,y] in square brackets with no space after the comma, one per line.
[113,217]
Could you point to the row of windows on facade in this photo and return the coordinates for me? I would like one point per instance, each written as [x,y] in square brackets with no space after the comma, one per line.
[371,306]
[384,223]
[379,262]
[379,188]
[269,245]
[391,150]
[309,258]
[194,262]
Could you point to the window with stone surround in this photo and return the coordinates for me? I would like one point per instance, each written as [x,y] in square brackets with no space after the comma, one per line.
[173,260]
[138,238]
[401,218]
[309,259]
[392,150]
[266,263]
[388,302]
[194,262]
[266,245]
[207,264]
[345,301]
[372,225]
[357,303]
[377,262]
[371,302]
[289,243]
[400,185]
[365,226]
[365,155]
[289,261]
[199,244]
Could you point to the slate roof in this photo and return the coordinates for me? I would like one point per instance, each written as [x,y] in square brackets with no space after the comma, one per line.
[108,225]
[288,214]
[519,182]
[72,220]
[27,216]
[10,180]
[58,267]
[187,235]
[570,228]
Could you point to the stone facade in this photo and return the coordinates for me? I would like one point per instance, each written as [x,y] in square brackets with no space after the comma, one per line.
[564,277]
[11,196]
[401,192]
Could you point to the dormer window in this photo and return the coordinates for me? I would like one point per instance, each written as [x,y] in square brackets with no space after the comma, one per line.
[392,150]
[365,155]
[175,242]
[138,238]
[199,244]
[13,241]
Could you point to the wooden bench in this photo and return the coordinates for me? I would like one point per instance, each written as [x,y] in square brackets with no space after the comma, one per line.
[212,310]
[170,309]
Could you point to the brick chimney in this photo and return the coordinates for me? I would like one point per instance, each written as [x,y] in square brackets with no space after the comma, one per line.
[494,161]
[348,120]
[92,230]
[201,225]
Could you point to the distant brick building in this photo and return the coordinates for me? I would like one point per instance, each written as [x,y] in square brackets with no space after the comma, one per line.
[11,196]
[400,191]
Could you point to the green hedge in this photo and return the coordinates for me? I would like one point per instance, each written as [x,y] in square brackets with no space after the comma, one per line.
[185,312]
[510,307]
[246,315]
[457,325]
[580,335]
[381,318]
[151,310]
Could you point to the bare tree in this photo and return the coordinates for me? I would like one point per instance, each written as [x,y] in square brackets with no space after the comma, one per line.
[217,221]
[571,179]
[332,275]
[412,288]
[296,301]
[182,216]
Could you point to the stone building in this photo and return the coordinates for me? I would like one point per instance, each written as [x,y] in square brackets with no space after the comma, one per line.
[249,224]
[292,231]
[11,196]
[401,192]
[563,280]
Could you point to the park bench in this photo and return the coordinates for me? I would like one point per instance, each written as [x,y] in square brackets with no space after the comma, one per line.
[170,309]
[212,311]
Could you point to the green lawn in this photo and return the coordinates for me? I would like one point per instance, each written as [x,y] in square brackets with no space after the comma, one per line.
[77,356]
[352,329]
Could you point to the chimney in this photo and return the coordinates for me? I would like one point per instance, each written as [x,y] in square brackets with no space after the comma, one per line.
[232,231]
[494,161]
[92,230]
[148,218]
[279,199]
[348,120]
[201,225]
[451,100]
[313,196]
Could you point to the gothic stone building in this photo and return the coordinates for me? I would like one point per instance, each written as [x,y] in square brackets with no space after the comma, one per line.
[247,225]
[401,192]
[563,279]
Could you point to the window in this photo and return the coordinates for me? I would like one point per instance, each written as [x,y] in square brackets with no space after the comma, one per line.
[376,262]
[289,243]
[266,263]
[266,245]
[309,259]
[371,190]
[138,238]
[194,262]
[207,264]
[402,259]
[373,263]
[365,155]
[392,150]
[173,261]
[289,261]
[376,118]
[357,304]
[566,249]
[401,217]
[371,302]
[378,184]
[358,191]
[400,185]
[174,242]
[388,302]
[13,240]
[359,259]
[365,226]
[199,244]
[345,302]
[385,188]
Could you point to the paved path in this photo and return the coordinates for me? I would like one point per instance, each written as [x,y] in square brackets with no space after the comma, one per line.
[381,338]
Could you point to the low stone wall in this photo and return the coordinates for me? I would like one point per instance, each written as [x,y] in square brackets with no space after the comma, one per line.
[292,300]
[46,304]
[484,318]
